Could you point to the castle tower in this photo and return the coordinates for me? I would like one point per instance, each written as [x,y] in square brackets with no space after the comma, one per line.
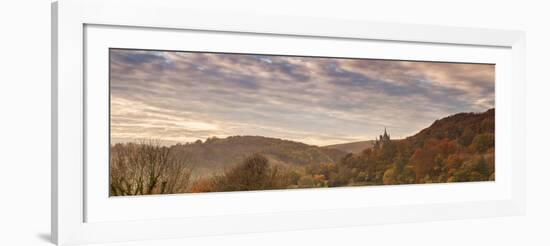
[386,137]
[383,139]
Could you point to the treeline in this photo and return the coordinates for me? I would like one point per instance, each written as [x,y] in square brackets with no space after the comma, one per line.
[398,162]
[458,148]
[148,168]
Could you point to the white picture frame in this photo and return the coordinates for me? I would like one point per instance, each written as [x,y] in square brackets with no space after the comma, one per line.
[82,214]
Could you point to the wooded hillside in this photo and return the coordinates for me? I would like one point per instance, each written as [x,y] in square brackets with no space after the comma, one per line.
[457,148]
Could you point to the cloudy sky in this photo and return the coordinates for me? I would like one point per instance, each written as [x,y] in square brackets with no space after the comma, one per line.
[185,96]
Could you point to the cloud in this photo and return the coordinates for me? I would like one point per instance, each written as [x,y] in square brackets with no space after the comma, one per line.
[184,96]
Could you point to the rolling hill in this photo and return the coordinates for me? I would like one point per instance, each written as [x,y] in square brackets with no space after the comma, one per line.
[354,147]
[219,153]
[462,127]
[456,148]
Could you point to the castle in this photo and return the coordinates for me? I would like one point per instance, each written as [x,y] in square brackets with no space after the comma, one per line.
[382,140]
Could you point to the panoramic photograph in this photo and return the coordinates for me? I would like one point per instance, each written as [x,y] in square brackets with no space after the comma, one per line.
[194,122]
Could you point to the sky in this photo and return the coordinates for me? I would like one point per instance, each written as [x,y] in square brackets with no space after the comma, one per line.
[180,97]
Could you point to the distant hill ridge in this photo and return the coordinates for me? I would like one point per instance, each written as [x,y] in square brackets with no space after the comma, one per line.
[461,126]
[223,152]
[219,153]
[353,147]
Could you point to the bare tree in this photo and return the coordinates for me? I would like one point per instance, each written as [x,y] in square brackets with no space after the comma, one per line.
[146,168]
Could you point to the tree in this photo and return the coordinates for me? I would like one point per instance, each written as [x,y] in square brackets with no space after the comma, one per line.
[479,165]
[483,142]
[453,161]
[389,177]
[422,161]
[254,173]
[146,168]
[408,176]
[341,176]
[399,163]
[466,137]
[250,175]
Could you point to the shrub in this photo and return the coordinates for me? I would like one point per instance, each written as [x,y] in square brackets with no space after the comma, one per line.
[306,181]
[389,177]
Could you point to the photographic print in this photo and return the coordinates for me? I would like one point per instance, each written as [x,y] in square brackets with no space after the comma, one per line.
[192,122]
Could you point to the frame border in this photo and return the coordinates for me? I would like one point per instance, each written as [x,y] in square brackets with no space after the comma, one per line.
[68,20]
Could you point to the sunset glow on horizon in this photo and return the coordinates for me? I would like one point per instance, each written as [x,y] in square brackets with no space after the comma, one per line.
[181,97]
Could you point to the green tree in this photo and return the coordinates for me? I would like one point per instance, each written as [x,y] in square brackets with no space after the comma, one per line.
[466,137]
[399,163]
[483,142]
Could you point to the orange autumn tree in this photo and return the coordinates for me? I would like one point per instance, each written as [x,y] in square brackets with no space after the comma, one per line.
[429,160]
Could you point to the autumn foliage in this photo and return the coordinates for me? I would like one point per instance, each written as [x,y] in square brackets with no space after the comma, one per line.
[458,148]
